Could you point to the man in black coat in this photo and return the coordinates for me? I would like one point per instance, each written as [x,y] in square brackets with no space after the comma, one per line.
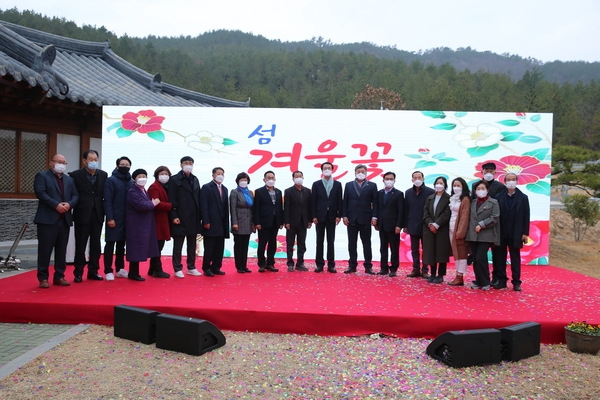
[514,231]
[88,215]
[414,202]
[267,217]
[185,216]
[214,206]
[57,196]
[359,213]
[389,223]
[297,220]
[326,211]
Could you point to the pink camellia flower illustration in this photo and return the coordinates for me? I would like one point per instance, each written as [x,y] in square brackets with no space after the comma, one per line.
[483,135]
[143,122]
[528,169]
[538,244]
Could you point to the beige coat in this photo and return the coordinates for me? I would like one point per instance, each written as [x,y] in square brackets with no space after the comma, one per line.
[460,249]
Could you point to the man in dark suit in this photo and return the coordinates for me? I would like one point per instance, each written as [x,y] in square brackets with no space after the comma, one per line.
[57,196]
[414,201]
[88,215]
[390,203]
[326,211]
[267,217]
[214,206]
[185,216]
[359,213]
[514,231]
[297,220]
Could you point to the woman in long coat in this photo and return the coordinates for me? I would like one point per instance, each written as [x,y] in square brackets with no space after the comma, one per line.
[158,190]
[140,228]
[241,200]
[460,205]
[436,231]
[483,233]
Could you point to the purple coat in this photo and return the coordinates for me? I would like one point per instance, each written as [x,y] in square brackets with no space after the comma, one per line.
[140,228]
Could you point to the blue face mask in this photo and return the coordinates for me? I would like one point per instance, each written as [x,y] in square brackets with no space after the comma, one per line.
[92,165]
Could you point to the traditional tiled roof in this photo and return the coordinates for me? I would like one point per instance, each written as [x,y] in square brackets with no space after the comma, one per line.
[88,72]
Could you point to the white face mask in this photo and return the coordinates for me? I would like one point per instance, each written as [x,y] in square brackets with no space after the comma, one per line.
[481,193]
[360,176]
[327,172]
[439,187]
[188,169]
[163,178]
[418,183]
[219,178]
[298,181]
[389,184]
[270,183]
[59,168]
[511,185]
[457,189]
[141,181]
[92,165]
[488,177]
[243,184]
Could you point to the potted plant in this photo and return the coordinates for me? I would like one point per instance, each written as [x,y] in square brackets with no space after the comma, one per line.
[583,337]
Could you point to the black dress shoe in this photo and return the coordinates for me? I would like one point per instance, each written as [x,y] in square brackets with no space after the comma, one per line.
[517,288]
[219,272]
[240,271]
[499,285]
[431,279]
[209,273]
[332,270]
[271,268]
[495,282]
[350,271]
[383,272]
[319,269]
[438,279]
[136,278]
[78,279]
[369,271]
[392,274]
[247,270]
[160,274]
[94,277]
[261,269]
[415,273]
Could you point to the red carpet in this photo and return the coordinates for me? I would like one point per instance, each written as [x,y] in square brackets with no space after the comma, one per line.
[309,303]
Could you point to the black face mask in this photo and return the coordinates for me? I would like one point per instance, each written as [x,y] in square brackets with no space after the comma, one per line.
[123,170]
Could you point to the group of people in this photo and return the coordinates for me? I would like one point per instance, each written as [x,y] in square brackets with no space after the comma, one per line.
[464,223]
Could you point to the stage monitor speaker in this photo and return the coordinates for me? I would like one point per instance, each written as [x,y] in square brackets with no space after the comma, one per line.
[520,341]
[467,348]
[137,324]
[187,335]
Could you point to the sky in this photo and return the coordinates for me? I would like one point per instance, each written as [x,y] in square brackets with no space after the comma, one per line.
[546,30]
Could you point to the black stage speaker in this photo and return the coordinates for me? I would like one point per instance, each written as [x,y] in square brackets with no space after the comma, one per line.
[187,335]
[520,341]
[467,348]
[135,324]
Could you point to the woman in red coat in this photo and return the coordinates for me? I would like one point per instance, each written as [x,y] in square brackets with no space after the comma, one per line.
[158,190]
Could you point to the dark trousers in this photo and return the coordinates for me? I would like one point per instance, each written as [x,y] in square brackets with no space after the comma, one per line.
[365,236]
[392,240]
[416,244]
[83,232]
[515,262]
[267,238]
[134,269]
[321,227]
[297,234]
[191,252]
[498,268]
[109,249]
[52,237]
[240,251]
[155,262]
[213,253]
[438,269]
[481,267]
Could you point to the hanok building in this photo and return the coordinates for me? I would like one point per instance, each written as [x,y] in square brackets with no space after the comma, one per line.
[52,90]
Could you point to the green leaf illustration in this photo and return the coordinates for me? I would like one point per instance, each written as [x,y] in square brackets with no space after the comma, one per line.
[438,155]
[253,245]
[424,164]
[434,114]
[114,126]
[510,136]
[430,179]
[446,159]
[540,261]
[530,139]
[228,142]
[540,187]
[481,151]
[540,154]
[413,156]
[460,114]
[157,135]
[445,126]
[535,118]
[123,133]
[509,122]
